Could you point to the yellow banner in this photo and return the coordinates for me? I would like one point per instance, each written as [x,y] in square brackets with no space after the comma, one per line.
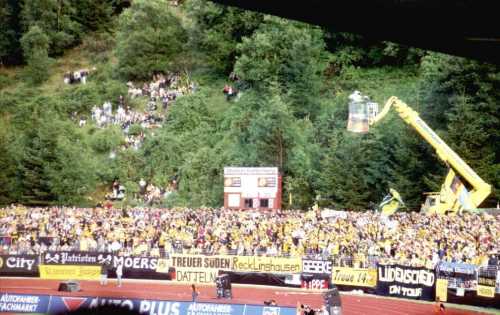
[201,262]
[267,264]
[486,291]
[442,289]
[70,272]
[196,275]
[354,277]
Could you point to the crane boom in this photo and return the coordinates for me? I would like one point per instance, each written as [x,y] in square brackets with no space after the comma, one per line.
[480,189]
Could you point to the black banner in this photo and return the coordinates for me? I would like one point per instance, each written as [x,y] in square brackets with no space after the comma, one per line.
[19,265]
[133,267]
[406,282]
[261,278]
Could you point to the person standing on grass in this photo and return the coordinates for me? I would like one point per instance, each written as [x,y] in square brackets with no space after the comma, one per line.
[119,273]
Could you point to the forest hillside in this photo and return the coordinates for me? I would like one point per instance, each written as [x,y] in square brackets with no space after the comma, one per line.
[165,95]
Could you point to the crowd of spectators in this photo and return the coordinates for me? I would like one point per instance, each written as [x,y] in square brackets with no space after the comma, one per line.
[79,76]
[351,238]
[163,87]
[125,117]
[151,194]
[137,125]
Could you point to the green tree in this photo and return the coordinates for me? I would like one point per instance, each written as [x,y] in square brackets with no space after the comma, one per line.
[39,149]
[217,29]
[53,159]
[93,15]
[103,141]
[54,18]
[35,48]
[188,146]
[344,181]
[8,184]
[72,173]
[149,38]
[272,132]
[289,53]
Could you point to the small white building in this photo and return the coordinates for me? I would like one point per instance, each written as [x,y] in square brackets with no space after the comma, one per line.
[252,188]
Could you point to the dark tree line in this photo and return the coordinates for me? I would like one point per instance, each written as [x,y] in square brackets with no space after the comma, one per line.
[64,22]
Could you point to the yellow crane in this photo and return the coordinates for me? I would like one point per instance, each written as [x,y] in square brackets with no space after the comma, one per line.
[455,195]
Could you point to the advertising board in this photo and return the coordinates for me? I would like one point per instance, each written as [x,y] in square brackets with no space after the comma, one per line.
[358,277]
[60,304]
[23,303]
[19,265]
[405,281]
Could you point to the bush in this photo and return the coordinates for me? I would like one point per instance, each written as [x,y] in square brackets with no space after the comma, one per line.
[135,129]
[106,140]
[5,81]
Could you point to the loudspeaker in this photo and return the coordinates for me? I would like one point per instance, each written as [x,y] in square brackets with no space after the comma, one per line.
[69,286]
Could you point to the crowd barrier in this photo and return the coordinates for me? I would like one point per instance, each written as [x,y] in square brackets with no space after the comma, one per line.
[52,304]
[454,282]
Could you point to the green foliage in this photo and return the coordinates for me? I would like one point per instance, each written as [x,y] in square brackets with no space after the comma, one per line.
[262,131]
[72,177]
[55,166]
[293,113]
[343,180]
[355,50]
[98,45]
[149,38]
[7,163]
[416,168]
[288,53]
[5,81]
[35,47]
[135,130]
[272,133]
[93,15]
[105,140]
[54,18]
[63,21]
[186,146]
[217,29]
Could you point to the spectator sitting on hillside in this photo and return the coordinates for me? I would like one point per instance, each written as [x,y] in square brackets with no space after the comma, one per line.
[229,91]
[79,76]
